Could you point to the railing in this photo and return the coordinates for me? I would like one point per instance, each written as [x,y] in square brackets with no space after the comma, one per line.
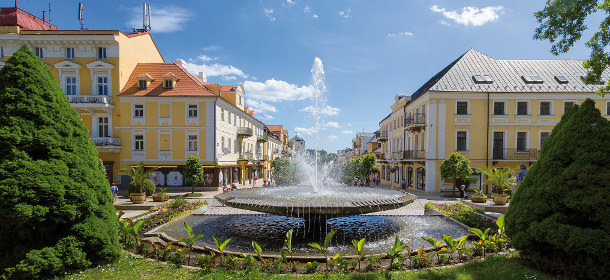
[413,119]
[245,156]
[262,138]
[382,135]
[398,155]
[105,141]
[263,157]
[244,132]
[514,154]
[102,99]
[415,154]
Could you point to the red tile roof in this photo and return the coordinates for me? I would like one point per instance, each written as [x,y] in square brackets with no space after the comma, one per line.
[187,84]
[25,21]
[275,128]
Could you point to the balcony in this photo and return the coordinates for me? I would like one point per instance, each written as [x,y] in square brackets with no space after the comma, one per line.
[245,156]
[263,157]
[262,138]
[244,132]
[514,154]
[382,136]
[415,154]
[90,102]
[415,122]
[106,144]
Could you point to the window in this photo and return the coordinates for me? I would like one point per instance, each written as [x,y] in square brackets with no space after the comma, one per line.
[102,85]
[142,84]
[229,117]
[138,142]
[222,143]
[70,85]
[101,53]
[222,115]
[545,108]
[522,108]
[138,111]
[522,141]
[607,107]
[543,136]
[169,84]
[561,79]
[69,53]
[2,54]
[193,110]
[235,147]
[229,142]
[235,119]
[499,108]
[192,142]
[534,79]
[102,129]
[39,52]
[567,105]
[462,108]
[461,141]
[482,79]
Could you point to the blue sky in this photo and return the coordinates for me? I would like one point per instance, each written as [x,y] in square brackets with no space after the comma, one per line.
[371,50]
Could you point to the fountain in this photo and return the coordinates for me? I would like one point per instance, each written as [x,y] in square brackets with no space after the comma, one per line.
[313,209]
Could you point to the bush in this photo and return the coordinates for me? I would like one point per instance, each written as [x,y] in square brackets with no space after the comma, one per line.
[470,216]
[56,205]
[149,187]
[559,213]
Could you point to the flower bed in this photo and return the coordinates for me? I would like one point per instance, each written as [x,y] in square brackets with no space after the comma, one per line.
[470,216]
[168,211]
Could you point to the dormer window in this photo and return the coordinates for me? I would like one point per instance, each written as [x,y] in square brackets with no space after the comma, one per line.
[533,79]
[143,80]
[169,84]
[169,80]
[482,79]
[142,84]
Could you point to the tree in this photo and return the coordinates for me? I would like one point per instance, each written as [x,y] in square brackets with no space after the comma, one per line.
[456,166]
[351,170]
[368,166]
[562,23]
[138,175]
[56,206]
[558,216]
[285,171]
[193,172]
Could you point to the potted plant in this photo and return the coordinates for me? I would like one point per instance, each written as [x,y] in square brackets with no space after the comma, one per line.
[479,197]
[501,179]
[139,175]
[161,195]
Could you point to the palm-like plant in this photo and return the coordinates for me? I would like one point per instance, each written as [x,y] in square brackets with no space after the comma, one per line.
[359,245]
[191,239]
[499,177]
[324,249]
[138,175]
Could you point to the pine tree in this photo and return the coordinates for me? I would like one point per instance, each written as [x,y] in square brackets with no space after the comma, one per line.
[56,207]
[558,216]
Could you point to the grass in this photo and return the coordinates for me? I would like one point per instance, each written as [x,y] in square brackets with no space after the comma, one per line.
[193,195]
[141,215]
[494,267]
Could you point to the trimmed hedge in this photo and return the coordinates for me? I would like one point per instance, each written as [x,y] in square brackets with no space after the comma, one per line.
[558,215]
[56,207]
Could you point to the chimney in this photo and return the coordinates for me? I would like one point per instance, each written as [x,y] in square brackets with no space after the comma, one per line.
[181,63]
[202,77]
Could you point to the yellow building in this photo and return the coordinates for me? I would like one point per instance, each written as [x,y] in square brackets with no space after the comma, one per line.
[497,113]
[91,67]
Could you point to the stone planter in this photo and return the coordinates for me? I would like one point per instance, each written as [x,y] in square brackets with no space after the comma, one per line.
[500,199]
[479,199]
[138,198]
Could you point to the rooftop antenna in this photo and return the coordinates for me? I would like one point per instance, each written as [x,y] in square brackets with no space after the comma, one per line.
[49,14]
[148,16]
[80,15]
[145,17]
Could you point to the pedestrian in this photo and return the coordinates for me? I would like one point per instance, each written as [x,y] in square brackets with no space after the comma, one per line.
[254,181]
[377,180]
[404,184]
[115,191]
[521,173]
[462,192]
[225,188]
[233,187]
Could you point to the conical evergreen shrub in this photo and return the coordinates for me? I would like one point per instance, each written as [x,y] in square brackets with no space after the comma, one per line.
[56,210]
[559,214]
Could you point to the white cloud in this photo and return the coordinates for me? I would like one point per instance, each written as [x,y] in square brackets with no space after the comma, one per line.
[332,124]
[169,19]
[260,106]
[206,58]
[346,13]
[347,132]
[269,14]
[401,34]
[315,16]
[288,3]
[306,9]
[227,72]
[327,110]
[443,22]
[305,130]
[275,91]
[471,15]
[332,137]
[211,48]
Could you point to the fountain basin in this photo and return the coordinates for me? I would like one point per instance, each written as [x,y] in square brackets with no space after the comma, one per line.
[302,201]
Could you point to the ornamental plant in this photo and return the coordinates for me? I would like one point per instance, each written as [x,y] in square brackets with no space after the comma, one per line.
[138,175]
[56,206]
[456,166]
[558,215]
[501,179]
[193,172]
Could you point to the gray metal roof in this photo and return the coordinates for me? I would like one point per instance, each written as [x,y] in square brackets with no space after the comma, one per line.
[507,75]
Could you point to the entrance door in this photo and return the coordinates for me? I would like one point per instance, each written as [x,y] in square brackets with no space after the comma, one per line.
[498,145]
[108,165]
[421,178]
[409,176]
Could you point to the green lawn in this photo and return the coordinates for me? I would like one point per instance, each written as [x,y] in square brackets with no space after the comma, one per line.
[495,267]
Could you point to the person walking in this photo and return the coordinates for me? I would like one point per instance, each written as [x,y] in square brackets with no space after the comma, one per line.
[115,191]
[521,173]
[462,192]
[254,181]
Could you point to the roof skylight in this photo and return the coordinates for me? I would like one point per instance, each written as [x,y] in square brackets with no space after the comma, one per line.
[533,79]
[561,79]
[482,79]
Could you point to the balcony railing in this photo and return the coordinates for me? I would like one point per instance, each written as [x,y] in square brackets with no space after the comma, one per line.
[245,156]
[415,119]
[100,99]
[415,154]
[244,132]
[106,141]
[262,138]
[382,135]
[515,154]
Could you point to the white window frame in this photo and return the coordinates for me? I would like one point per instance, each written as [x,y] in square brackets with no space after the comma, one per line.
[188,141]
[70,54]
[39,52]
[134,142]
[138,119]
[540,138]
[493,107]
[504,144]
[166,85]
[528,111]
[527,141]
[107,84]
[467,107]
[222,115]
[101,53]
[564,105]
[97,126]
[552,113]
[467,140]
[229,117]
[66,84]
[142,82]
[187,109]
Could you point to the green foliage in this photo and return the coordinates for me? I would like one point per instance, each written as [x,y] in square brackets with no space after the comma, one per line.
[359,245]
[456,166]
[393,252]
[499,177]
[56,205]
[558,215]
[470,216]
[147,186]
[101,167]
[562,23]
[368,166]
[324,249]
[138,175]
[191,239]
[285,171]
[193,172]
